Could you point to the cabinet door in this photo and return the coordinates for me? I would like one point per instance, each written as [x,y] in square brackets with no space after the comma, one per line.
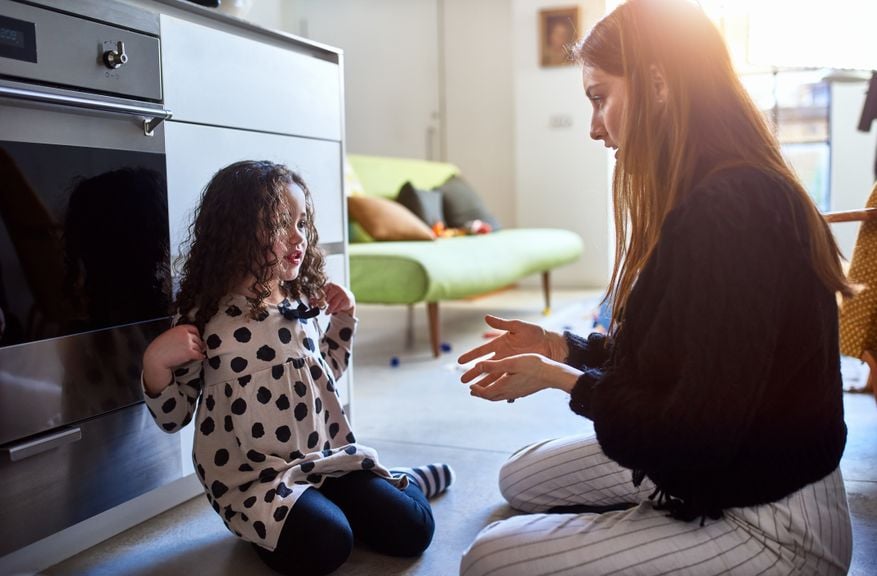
[195,153]
[222,79]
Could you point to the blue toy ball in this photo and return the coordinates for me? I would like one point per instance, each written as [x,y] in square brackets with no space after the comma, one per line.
[394,361]
[445,347]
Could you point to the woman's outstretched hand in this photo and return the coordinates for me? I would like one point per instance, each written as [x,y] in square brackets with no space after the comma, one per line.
[519,338]
[517,376]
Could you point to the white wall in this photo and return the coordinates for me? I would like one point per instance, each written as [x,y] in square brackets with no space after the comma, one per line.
[562,176]
[852,158]
[479,99]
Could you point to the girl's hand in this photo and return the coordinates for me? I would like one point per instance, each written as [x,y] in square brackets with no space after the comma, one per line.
[172,348]
[519,338]
[339,299]
[518,376]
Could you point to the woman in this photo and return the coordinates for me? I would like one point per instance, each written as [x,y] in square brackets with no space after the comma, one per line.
[716,398]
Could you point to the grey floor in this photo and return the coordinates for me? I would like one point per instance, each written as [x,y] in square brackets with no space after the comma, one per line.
[418,412]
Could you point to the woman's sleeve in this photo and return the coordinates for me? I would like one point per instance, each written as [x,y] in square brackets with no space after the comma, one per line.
[337,343]
[693,357]
[173,407]
[590,352]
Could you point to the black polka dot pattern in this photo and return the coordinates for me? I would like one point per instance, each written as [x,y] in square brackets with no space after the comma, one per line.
[266,353]
[213,341]
[243,335]
[221,458]
[239,364]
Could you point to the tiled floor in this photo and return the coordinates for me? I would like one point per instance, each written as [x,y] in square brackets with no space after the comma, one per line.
[419,412]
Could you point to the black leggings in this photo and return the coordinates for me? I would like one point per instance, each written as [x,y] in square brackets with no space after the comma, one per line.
[317,536]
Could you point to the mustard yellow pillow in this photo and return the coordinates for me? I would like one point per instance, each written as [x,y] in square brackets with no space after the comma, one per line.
[384,219]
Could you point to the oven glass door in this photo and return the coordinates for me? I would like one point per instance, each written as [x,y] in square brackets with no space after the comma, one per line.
[84,263]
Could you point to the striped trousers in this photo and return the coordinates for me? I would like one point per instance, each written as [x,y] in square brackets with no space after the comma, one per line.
[807,532]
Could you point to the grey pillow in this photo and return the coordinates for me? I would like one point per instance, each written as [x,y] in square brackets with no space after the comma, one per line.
[461,204]
[426,204]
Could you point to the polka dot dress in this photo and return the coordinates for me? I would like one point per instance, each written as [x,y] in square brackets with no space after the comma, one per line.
[269,421]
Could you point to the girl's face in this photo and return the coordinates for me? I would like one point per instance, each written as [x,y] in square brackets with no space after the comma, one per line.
[290,251]
[608,96]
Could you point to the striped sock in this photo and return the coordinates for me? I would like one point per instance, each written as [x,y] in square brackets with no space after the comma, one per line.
[432,479]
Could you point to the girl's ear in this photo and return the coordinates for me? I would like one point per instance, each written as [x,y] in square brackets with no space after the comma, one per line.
[658,84]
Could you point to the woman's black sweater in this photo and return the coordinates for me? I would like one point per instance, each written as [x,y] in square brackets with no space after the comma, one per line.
[722,384]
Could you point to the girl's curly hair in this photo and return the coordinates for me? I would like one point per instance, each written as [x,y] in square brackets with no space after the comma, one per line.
[243,211]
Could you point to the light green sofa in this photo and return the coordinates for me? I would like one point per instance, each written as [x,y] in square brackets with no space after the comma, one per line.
[448,268]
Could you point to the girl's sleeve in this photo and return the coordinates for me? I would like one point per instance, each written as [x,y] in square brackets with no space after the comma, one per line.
[336,344]
[693,356]
[173,407]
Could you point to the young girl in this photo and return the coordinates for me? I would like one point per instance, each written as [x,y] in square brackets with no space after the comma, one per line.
[274,451]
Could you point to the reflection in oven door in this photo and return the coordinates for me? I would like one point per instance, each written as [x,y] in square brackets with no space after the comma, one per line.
[84,264]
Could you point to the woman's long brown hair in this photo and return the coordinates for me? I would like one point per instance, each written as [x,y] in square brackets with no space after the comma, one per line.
[243,211]
[707,123]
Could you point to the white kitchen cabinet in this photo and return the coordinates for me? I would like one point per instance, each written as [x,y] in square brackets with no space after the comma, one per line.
[223,79]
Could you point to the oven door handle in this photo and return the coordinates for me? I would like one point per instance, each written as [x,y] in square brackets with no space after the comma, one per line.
[152,117]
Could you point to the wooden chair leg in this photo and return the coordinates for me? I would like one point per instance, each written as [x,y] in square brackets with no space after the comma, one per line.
[409,328]
[432,311]
[546,292]
[871,361]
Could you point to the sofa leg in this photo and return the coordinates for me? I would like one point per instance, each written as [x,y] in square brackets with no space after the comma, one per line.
[432,311]
[409,328]
[546,292]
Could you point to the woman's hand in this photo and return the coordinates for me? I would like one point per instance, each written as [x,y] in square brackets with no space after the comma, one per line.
[172,348]
[518,376]
[520,338]
[339,299]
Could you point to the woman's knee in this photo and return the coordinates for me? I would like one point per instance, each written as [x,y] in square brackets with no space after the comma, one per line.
[485,554]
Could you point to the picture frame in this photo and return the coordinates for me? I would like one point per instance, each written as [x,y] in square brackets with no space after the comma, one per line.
[558,32]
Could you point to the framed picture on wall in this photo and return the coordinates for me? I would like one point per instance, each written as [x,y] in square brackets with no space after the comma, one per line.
[558,32]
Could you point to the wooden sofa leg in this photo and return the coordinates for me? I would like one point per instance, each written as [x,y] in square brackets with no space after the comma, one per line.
[870,360]
[433,313]
[409,328]
[546,292]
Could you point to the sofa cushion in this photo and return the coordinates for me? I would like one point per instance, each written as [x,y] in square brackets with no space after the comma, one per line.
[452,268]
[461,204]
[425,204]
[383,176]
[388,220]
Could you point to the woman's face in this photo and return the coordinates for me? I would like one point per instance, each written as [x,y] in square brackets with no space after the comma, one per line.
[290,251]
[608,95]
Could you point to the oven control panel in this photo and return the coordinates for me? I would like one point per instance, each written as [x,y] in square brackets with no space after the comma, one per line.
[63,50]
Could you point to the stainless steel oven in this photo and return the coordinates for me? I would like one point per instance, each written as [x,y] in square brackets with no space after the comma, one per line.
[84,270]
